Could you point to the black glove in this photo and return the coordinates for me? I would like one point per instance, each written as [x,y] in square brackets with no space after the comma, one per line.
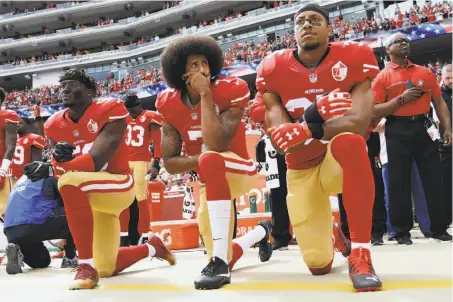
[63,152]
[38,170]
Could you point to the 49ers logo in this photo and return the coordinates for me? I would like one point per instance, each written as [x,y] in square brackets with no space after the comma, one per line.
[92,126]
[339,71]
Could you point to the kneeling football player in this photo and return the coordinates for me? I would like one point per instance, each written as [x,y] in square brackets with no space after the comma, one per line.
[89,157]
[204,110]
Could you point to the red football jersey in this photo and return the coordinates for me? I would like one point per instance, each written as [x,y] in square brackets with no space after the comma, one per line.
[139,136]
[22,154]
[60,128]
[226,92]
[346,65]
[6,116]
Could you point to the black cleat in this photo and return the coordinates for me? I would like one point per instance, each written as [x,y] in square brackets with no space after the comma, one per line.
[15,259]
[404,240]
[215,275]
[444,237]
[377,240]
[265,247]
[72,263]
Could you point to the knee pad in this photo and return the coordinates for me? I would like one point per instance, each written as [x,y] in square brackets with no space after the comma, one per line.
[348,147]
[211,164]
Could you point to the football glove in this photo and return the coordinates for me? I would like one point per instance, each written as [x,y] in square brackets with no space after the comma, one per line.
[289,135]
[38,170]
[63,152]
[328,106]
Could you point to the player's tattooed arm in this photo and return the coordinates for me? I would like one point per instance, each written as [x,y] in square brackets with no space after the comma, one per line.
[107,142]
[10,139]
[171,152]
[358,119]
[276,114]
[218,129]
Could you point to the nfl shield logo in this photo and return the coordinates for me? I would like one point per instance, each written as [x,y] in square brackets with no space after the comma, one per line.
[194,116]
[420,83]
[76,133]
[313,78]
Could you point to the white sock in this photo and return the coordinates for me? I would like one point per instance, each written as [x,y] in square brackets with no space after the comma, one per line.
[152,250]
[124,234]
[355,245]
[251,238]
[219,218]
[87,261]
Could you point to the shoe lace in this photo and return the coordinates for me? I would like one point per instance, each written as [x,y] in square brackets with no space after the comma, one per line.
[212,268]
[361,264]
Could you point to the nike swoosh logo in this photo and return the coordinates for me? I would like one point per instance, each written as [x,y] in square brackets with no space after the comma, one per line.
[216,239]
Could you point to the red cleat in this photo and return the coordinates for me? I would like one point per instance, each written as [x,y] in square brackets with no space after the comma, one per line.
[86,277]
[340,242]
[361,271]
[162,251]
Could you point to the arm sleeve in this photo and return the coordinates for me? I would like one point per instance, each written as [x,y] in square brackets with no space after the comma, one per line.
[12,118]
[156,136]
[116,110]
[379,91]
[239,93]
[368,67]
[434,85]
[257,110]
[39,142]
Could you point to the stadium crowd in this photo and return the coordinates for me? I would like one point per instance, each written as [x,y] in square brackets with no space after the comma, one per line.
[240,52]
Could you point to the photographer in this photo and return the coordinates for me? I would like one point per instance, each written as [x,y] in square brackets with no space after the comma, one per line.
[35,214]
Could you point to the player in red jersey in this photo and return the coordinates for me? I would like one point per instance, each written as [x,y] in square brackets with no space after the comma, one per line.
[143,128]
[29,148]
[89,156]
[319,104]
[258,115]
[8,137]
[203,111]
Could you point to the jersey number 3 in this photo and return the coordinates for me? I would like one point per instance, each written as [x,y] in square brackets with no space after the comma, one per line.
[135,135]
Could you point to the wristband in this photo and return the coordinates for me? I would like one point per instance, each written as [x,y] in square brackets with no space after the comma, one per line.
[311,114]
[83,163]
[5,164]
[317,131]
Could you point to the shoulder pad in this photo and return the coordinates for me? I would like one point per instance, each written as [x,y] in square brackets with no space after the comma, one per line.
[163,99]
[10,116]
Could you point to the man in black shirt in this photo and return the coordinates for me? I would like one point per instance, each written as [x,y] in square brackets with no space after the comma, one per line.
[445,151]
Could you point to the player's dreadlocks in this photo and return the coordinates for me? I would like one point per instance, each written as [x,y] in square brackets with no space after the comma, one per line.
[79,75]
[174,58]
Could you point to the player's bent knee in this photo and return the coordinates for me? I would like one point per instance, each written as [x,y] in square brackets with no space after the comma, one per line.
[320,260]
[348,144]
[70,179]
[211,164]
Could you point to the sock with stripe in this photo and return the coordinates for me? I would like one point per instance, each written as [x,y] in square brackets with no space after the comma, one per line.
[80,220]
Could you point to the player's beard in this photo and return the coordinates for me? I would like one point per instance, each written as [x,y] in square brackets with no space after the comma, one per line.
[311,46]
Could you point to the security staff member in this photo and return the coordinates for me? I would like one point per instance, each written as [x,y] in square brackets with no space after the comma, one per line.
[275,181]
[403,92]
[445,150]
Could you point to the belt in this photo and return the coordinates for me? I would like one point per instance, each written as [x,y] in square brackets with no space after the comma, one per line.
[408,118]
